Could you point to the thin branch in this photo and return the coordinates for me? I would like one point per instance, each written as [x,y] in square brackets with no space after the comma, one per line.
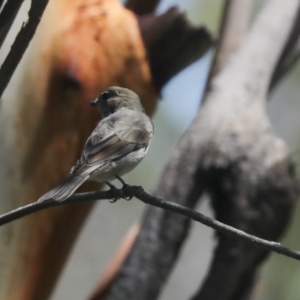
[286,66]
[35,206]
[289,55]
[139,193]
[7,17]
[21,42]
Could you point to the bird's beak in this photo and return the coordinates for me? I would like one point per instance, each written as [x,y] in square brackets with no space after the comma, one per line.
[94,102]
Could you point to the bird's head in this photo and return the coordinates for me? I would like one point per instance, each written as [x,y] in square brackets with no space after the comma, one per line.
[114,98]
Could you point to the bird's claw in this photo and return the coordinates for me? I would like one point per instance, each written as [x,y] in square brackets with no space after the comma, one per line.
[127,194]
[128,198]
[113,200]
[125,191]
[113,189]
[124,188]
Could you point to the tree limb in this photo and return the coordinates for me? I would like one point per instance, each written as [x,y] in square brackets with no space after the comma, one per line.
[21,42]
[182,183]
[250,71]
[230,152]
[166,37]
[7,16]
[139,193]
[233,27]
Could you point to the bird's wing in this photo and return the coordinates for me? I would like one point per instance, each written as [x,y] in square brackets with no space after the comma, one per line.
[135,133]
[99,149]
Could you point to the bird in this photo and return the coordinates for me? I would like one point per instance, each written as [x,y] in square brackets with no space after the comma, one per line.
[116,146]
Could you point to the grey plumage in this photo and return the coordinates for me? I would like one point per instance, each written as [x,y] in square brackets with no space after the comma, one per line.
[65,189]
[117,144]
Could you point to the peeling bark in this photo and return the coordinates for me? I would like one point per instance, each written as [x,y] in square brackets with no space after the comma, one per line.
[45,120]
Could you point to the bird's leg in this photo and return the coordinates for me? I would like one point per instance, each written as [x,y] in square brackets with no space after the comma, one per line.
[113,188]
[122,181]
[125,185]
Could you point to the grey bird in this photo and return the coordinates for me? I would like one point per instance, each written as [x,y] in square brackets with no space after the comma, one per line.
[116,146]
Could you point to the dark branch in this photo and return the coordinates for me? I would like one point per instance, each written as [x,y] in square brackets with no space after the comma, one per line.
[219,226]
[140,194]
[7,17]
[142,7]
[166,38]
[35,207]
[21,42]
[289,55]
[289,63]
[1,3]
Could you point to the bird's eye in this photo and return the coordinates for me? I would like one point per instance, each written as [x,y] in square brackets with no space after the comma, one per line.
[105,95]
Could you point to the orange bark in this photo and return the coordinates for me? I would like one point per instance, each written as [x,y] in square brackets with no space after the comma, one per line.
[80,48]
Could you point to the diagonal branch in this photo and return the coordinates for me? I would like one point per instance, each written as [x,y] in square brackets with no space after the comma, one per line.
[7,16]
[139,193]
[289,55]
[21,43]
[287,65]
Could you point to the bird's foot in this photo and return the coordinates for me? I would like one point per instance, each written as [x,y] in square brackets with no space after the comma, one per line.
[113,189]
[111,186]
[127,198]
[125,189]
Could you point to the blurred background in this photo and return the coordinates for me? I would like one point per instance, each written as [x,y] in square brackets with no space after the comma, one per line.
[108,222]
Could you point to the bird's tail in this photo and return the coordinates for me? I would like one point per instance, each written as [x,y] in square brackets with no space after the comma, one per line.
[65,189]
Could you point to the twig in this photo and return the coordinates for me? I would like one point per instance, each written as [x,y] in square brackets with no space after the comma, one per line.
[7,17]
[35,207]
[219,226]
[139,193]
[21,42]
